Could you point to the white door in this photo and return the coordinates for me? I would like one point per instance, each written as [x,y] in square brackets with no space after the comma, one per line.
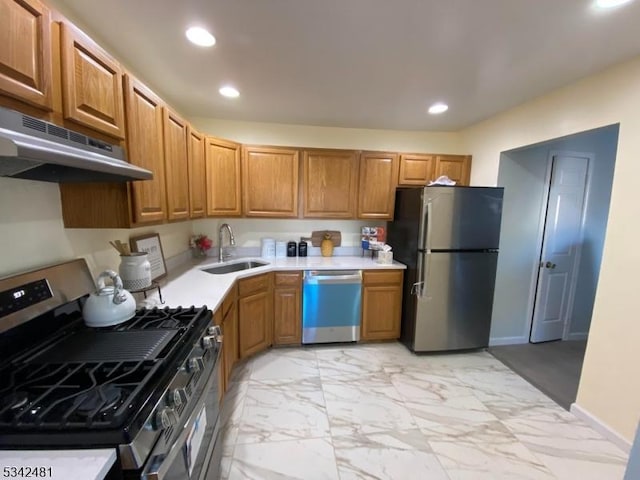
[560,247]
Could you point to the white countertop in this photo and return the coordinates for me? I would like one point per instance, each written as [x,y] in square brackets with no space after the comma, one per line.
[189,285]
[64,464]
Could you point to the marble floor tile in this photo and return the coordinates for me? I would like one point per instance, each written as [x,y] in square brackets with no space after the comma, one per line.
[298,459]
[277,411]
[393,455]
[489,452]
[452,417]
[231,414]
[285,364]
[348,363]
[568,447]
[371,404]
[419,386]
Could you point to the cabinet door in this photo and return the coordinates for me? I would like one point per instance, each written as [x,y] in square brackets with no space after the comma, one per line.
[197,177]
[255,323]
[270,182]
[144,142]
[456,167]
[223,178]
[287,301]
[415,169]
[381,304]
[330,182]
[175,164]
[91,84]
[25,52]
[377,185]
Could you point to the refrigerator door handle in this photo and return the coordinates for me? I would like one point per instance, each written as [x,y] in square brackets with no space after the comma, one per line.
[419,288]
[427,244]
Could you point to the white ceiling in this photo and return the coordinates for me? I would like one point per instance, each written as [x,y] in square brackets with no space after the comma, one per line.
[359,63]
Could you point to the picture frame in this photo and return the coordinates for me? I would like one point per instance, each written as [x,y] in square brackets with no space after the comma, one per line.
[151,244]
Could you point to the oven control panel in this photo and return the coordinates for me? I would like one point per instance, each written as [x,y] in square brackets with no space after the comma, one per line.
[18,298]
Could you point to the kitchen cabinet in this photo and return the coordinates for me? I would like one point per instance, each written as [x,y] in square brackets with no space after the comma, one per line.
[416,169]
[222,159]
[456,167]
[145,149]
[287,308]
[175,164]
[197,175]
[222,383]
[229,325]
[381,304]
[377,185]
[330,182]
[269,182]
[91,84]
[255,314]
[25,52]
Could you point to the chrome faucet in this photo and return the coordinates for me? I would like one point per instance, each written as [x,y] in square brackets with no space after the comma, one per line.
[232,240]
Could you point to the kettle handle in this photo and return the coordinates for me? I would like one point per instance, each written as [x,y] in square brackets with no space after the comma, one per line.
[118,294]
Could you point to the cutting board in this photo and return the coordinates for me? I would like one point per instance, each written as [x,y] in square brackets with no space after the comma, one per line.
[318,235]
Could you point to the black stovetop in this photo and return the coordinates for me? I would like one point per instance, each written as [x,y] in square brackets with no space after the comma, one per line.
[94,386]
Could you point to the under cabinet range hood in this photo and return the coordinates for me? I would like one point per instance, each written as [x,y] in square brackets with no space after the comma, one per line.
[37,150]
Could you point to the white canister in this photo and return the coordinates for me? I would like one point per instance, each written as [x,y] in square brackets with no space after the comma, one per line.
[281,249]
[135,271]
[268,248]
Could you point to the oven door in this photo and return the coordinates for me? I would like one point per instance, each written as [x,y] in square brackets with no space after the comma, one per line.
[197,450]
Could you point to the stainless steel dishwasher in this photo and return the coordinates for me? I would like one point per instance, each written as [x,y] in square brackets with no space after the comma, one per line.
[331,305]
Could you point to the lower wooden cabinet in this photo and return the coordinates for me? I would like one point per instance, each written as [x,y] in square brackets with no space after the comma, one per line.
[287,308]
[229,326]
[255,314]
[381,304]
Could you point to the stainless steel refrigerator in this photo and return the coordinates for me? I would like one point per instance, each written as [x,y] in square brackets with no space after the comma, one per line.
[448,238]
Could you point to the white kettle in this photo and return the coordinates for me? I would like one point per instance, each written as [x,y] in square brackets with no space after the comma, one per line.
[109,305]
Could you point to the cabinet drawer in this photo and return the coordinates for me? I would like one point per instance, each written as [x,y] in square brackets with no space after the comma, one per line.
[247,286]
[378,277]
[291,279]
[228,301]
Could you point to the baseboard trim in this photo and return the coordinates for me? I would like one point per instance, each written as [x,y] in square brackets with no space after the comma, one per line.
[494,342]
[578,336]
[601,427]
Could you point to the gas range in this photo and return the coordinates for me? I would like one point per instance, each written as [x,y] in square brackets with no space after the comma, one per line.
[141,387]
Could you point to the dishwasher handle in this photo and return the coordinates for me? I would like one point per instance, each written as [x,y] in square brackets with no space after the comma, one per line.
[313,277]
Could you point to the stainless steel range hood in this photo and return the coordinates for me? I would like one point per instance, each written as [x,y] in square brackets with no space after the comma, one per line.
[36,150]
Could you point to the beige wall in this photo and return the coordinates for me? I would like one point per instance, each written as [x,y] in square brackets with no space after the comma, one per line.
[331,137]
[610,383]
[33,235]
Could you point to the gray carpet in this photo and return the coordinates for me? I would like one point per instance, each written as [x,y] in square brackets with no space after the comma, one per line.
[553,367]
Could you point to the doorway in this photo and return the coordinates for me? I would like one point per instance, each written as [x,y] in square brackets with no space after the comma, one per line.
[526,175]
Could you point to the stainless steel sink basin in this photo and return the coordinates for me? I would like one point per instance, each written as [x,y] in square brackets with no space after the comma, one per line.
[234,267]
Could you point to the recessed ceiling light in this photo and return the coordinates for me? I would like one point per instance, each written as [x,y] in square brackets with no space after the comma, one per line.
[437,108]
[610,3]
[229,92]
[200,37]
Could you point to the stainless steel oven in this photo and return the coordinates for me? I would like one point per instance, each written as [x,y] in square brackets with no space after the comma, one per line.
[147,387]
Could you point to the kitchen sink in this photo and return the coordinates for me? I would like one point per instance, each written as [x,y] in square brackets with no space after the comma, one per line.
[234,267]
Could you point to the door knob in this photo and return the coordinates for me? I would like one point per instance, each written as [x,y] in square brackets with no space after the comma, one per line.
[550,265]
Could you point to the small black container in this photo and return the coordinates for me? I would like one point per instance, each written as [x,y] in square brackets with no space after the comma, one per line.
[302,248]
[291,249]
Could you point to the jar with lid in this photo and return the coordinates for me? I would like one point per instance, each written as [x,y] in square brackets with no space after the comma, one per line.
[302,248]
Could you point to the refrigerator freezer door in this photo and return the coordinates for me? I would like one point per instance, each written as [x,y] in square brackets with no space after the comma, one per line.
[464,218]
[455,311]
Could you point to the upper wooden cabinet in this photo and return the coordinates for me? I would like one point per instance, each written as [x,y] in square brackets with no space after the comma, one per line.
[330,182]
[269,182]
[25,52]
[456,167]
[223,178]
[415,169]
[197,177]
[145,148]
[377,185]
[91,84]
[175,164]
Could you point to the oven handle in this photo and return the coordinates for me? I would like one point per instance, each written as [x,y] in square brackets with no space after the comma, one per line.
[158,470]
